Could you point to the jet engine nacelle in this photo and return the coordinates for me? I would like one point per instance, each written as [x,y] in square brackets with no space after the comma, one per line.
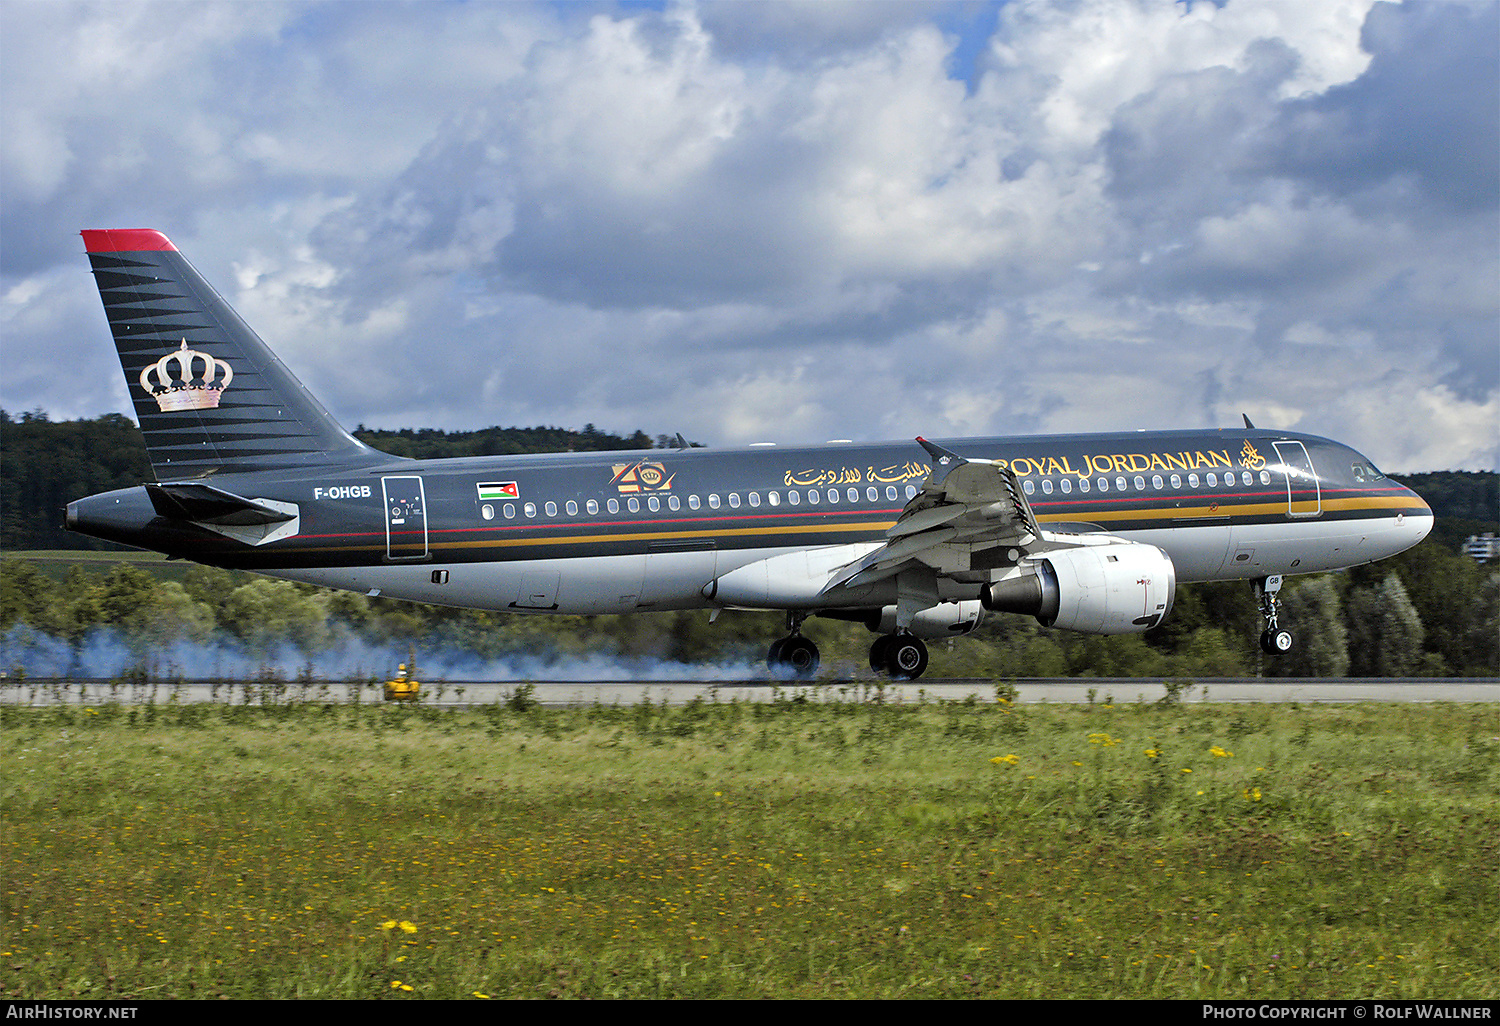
[1116,587]
[944,620]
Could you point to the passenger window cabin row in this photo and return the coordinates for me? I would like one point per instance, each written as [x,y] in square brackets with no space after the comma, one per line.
[1157,483]
[733,500]
[870,494]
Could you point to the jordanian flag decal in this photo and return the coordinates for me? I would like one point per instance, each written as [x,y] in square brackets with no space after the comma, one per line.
[492,490]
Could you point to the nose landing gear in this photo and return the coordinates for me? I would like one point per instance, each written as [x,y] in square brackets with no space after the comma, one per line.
[1273,640]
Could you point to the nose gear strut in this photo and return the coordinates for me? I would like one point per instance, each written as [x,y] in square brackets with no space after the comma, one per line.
[1273,640]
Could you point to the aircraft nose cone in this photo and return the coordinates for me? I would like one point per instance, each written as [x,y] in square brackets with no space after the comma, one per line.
[1412,524]
[1422,519]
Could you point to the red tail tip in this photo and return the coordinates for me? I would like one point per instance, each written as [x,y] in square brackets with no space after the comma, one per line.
[125,240]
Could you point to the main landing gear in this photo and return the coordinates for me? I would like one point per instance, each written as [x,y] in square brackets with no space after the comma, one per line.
[793,655]
[903,656]
[1273,640]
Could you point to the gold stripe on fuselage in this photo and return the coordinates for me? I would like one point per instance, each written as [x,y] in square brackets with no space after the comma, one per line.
[1259,509]
[1215,513]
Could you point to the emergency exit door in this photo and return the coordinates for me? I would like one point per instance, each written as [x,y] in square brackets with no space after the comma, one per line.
[405,518]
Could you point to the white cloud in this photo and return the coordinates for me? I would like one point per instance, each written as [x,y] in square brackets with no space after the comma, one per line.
[1408,429]
[786,221]
[1083,61]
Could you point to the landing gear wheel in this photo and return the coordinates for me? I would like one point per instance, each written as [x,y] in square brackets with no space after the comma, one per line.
[796,656]
[773,657]
[878,650]
[1275,641]
[905,656]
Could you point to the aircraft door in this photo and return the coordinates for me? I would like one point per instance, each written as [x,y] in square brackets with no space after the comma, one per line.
[1304,496]
[405,517]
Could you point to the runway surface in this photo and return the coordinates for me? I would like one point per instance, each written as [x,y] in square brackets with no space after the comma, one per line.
[1070,691]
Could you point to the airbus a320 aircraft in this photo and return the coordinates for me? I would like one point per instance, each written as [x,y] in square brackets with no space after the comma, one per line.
[917,540]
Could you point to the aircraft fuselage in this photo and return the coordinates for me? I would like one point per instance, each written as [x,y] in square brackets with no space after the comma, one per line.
[652,529]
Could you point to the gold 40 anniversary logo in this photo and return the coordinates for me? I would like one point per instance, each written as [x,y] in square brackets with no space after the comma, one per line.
[641,477]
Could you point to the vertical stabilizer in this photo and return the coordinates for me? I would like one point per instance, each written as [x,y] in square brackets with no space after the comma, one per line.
[210,397]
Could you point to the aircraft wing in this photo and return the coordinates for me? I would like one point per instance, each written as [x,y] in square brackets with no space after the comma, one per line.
[965,507]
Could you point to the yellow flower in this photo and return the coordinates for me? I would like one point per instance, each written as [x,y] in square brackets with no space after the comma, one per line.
[1007,760]
[1219,753]
[1152,753]
[1252,794]
[389,924]
[408,927]
[1102,739]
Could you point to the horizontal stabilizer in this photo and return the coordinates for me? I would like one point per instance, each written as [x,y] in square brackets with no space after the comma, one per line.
[205,504]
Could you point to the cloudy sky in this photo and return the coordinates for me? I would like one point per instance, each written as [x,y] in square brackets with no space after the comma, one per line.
[786,221]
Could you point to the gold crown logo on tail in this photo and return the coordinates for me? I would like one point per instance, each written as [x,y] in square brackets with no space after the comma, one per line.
[185,391]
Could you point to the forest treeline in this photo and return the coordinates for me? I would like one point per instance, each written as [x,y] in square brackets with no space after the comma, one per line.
[1426,613]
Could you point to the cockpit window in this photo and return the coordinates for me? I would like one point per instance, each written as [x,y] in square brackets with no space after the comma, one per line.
[1365,472]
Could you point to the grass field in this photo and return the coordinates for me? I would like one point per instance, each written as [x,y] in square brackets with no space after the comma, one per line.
[781,850]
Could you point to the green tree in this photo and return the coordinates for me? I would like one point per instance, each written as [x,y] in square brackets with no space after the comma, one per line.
[1386,627]
[1312,611]
[174,615]
[1400,642]
[126,601]
[148,614]
[48,464]
[1210,652]
[23,590]
[77,609]
[211,585]
[1482,642]
[1013,646]
[265,613]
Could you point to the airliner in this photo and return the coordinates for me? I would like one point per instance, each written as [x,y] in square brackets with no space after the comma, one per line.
[918,540]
